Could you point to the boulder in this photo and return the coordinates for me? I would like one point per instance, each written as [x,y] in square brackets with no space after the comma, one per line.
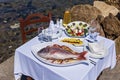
[105,8]
[118,16]
[117,45]
[111,26]
[99,19]
[99,28]
[84,12]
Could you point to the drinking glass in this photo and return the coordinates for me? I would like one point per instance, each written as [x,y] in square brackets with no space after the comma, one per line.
[48,34]
[93,30]
[93,33]
[41,34]
[56,29]
[45,35]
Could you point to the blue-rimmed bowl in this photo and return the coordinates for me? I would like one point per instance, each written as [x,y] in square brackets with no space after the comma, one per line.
[77,29]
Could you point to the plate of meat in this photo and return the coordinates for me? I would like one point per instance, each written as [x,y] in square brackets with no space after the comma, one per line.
[59,54]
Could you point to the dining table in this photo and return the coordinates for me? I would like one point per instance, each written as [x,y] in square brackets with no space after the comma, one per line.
[26,63]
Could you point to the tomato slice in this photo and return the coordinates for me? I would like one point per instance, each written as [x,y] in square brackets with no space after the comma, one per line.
[78,34]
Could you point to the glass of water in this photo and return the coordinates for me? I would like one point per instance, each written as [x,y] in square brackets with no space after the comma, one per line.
[93,33]
[41,34]
[45,35]
[48,34]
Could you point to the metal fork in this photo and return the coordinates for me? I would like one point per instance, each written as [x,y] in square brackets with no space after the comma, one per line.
[92,62]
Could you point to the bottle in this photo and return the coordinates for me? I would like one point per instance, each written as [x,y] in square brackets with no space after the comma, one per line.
[66,18]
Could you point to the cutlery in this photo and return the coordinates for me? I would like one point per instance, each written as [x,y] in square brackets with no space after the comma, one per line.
[78,45]
[92,62]
[88,48]
[89,40]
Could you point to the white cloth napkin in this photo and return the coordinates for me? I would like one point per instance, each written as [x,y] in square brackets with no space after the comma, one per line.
[97,47]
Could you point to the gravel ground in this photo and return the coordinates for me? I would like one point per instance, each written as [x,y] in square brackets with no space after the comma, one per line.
[11,10]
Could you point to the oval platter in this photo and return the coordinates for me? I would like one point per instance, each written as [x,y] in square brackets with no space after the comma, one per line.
[37,47]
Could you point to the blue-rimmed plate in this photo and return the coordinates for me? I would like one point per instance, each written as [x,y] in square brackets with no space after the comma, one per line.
[56,63]
[77,29]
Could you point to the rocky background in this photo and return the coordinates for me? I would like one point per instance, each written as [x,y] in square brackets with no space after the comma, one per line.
[12,10]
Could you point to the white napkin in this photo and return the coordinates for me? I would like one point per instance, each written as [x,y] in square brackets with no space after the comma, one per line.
[97,47]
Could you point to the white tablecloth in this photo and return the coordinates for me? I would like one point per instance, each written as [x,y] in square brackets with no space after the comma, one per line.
[25,63]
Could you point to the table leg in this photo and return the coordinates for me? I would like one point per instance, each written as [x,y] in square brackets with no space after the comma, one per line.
[99,75]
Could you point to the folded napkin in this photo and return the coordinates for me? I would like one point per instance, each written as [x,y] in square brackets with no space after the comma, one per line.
[97,47]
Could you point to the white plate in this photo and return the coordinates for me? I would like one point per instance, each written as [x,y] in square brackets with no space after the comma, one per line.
[37,47]
[81,28]
[98,54]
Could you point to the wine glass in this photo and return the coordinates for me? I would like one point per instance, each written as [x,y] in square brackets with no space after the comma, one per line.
[55,29]
[93,33]
[93,30]
[45,35]
[41,34]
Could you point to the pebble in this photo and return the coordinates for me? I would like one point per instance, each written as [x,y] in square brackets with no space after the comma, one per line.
[9,46]
[16,25]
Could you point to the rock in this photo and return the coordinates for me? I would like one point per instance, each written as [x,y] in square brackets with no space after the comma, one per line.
[117,44]
[99,19]
[111,26]
[84,13]
[105,8]
[16,25]
[118,15]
